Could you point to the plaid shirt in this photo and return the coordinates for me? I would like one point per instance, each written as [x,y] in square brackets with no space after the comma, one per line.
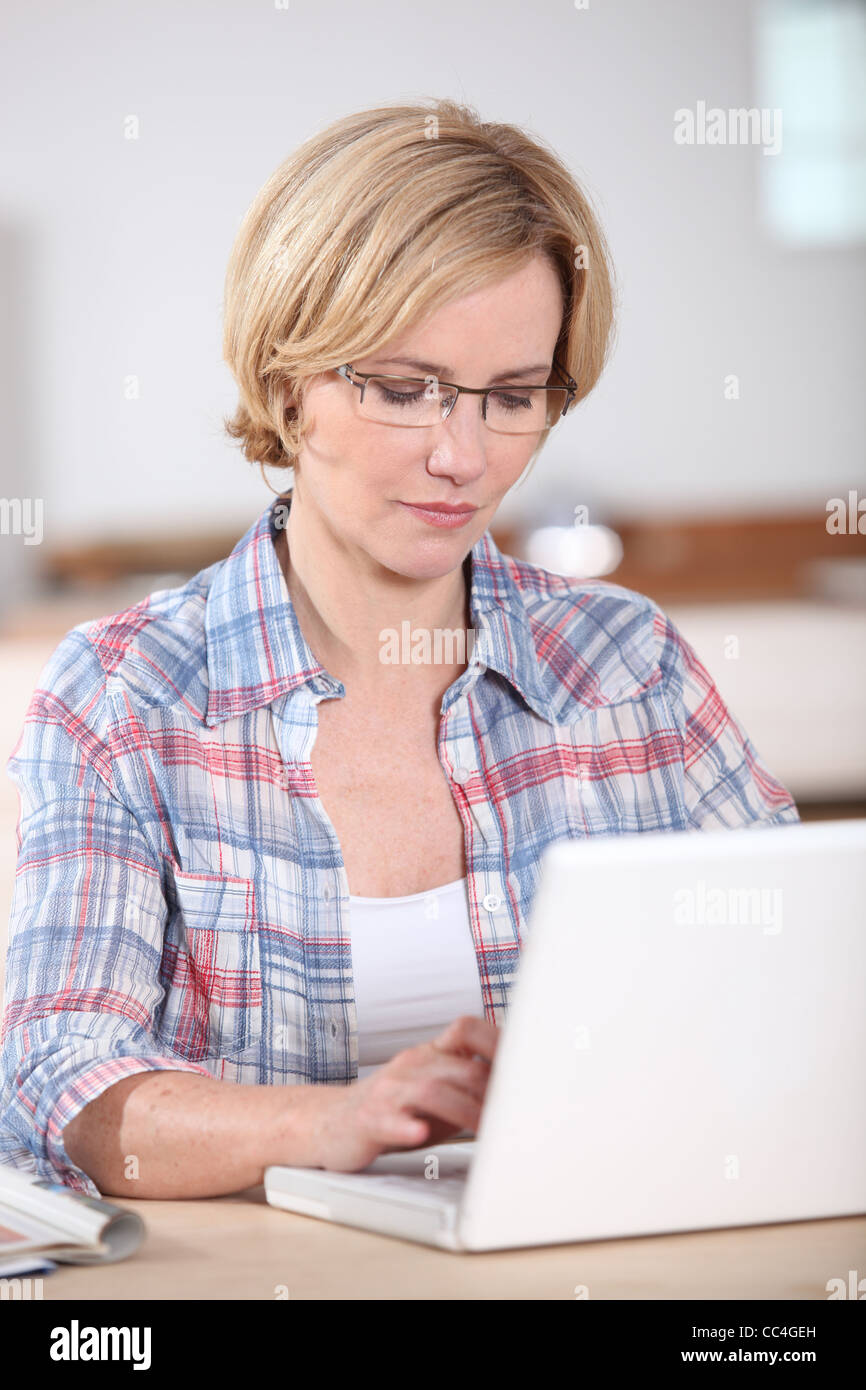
[180,898]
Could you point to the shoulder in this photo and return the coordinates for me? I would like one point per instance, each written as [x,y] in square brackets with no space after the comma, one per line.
[600,640]
[155,650]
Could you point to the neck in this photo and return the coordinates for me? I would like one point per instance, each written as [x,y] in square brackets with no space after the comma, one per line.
[345,600]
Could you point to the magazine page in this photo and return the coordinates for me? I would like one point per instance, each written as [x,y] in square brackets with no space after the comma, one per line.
[26,1264]
[37,1214]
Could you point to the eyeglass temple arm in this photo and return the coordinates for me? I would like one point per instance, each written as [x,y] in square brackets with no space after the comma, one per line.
[572,384]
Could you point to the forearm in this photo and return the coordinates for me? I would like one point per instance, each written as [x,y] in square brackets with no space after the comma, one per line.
[170,1134]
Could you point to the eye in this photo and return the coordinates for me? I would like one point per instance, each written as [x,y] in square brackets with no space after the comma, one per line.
[510,402]
[404,396]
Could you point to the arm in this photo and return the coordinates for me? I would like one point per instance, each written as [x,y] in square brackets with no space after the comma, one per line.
[197,1137]
[171,1135]
[86,931]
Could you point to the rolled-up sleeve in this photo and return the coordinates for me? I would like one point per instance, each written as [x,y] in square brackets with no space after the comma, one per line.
[727,784]
[86,931]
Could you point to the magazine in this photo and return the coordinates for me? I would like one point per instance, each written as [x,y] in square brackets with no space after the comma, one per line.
[43,1221]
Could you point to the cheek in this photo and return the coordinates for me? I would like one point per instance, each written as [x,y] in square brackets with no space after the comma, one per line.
[356,472]
[370,450]
[382,459]
[507,462]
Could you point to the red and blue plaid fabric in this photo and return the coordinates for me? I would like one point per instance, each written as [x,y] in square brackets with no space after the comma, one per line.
[180,897]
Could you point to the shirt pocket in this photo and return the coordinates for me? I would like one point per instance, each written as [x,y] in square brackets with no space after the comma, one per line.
[214,1001]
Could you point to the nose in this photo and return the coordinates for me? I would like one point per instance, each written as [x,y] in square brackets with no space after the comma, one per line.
[459,444]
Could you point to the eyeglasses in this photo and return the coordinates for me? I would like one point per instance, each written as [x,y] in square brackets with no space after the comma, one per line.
[418,402]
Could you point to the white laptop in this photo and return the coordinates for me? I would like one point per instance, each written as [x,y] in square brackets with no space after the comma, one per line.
[685,1049]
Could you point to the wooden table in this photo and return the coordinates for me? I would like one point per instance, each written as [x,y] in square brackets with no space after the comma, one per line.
[240,1248]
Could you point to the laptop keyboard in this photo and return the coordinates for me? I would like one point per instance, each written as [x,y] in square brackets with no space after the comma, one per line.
[410,1185]
[416,1189]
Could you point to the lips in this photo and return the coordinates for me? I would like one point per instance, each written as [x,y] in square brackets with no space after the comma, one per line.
[452,507]
[441,513]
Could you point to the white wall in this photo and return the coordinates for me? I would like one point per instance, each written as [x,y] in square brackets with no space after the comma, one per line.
[114,251]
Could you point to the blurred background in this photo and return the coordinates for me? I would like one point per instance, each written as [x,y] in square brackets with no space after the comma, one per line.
[719,464]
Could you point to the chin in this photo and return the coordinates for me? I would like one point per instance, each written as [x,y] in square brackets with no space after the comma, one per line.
[429,561]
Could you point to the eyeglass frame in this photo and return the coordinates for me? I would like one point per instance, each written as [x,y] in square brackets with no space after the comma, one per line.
[569,386]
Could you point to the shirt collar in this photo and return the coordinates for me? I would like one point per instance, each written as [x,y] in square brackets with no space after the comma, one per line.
[257,652]
[500,618]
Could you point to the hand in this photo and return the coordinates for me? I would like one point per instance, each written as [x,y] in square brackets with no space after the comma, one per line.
[423,1095]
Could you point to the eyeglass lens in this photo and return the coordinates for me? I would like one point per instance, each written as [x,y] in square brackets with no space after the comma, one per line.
[515,410]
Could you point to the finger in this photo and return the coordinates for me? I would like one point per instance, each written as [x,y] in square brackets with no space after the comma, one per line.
[400,1079]
[401,1127]
[442,1101]
[465,1073]
[469,1036]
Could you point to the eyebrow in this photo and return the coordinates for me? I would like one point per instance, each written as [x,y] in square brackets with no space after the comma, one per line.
[444,373]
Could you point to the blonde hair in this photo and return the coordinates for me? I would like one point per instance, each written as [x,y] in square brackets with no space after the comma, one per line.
[372,224]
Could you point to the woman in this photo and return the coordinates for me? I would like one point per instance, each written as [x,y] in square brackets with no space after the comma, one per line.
[281,826]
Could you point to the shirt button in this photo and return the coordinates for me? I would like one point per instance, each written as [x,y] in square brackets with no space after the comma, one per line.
[492,903]
[326,893]
[462,775]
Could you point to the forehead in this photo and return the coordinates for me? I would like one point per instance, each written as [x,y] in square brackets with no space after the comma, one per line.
[516,318]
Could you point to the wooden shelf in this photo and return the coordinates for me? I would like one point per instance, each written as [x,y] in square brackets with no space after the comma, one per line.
[731,557]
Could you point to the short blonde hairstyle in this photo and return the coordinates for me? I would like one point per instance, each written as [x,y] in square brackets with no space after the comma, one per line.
[371,225]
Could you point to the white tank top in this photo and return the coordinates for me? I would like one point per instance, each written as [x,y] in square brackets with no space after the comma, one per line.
[415,969]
